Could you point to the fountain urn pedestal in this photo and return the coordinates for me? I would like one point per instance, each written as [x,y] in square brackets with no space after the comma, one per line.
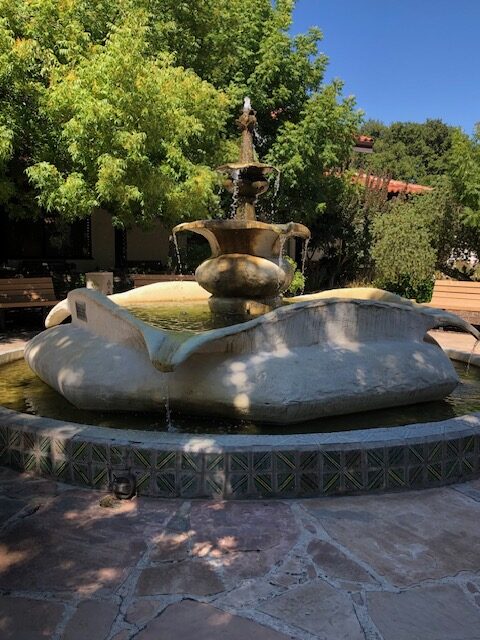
[246,273]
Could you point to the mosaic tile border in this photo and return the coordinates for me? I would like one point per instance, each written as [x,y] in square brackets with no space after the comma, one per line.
[229,467]
[265,473]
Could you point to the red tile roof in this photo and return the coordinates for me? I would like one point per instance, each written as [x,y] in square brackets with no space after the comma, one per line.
[393,186]
[366,141]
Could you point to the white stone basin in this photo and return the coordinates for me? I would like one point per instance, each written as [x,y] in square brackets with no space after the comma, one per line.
[326,354]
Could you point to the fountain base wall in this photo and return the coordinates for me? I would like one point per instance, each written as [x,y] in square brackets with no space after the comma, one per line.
[238,467]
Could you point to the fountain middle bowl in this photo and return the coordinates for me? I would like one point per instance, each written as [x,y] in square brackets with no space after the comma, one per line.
[246,269]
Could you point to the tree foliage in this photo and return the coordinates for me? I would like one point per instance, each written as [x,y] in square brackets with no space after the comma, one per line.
[410,151]
[464,169]
[129,105]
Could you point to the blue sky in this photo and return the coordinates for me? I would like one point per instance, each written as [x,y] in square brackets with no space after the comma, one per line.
[404,59]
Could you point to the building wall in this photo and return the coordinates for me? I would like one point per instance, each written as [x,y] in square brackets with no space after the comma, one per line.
[148,245]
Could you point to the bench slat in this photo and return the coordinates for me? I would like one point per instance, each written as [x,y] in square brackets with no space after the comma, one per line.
[460,297]
[142,280]
[457,296]
[33,303]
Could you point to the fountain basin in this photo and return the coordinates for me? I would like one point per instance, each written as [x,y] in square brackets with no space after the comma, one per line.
[318,357]
[171,465]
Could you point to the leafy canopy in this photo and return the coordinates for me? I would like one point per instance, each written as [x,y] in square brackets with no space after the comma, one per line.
[129,105]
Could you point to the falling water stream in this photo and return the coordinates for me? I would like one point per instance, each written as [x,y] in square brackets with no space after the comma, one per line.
[234,204]
[281,241]
[177,252]
[472,354]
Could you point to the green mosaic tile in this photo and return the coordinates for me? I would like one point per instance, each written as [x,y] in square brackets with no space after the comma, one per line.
[353,460]
[215,462]
[143,483]
[80,474]
[4,455]
[45,465]
[332,461]
[467,466]
[468,445]
[142,458]
[308,460]
[30,462]
[415,476]
[238,462]
[375,458]
[214,484]
[331,482]
[14,439]
[16,460]
[3,436]
[166,460]
[166,486]
[262,461]
[100,476]
[263,483]
[99,453]
[61,470]
[452,449]
[118,456]
[452,469]
[285,461]
[396,456]
[28,441]
[237,485]
[353,479]
[190,485]
[309,484]
[434,472]
[396,477]
[81,451]
[285,484]
[192,462]
[43,445]
[60,449]
[435,451]
[416,454]
[375,479]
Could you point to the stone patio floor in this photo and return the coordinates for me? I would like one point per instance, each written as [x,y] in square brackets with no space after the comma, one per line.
[77,565]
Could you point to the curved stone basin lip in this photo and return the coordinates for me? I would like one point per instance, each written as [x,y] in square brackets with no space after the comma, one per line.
[238,166]
[421,432]
[288,229]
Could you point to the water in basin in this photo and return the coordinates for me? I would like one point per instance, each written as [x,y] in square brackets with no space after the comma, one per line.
[22,390]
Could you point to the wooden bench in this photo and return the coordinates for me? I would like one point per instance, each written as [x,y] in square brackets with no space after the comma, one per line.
[461,298]
[149,278]
[25,293]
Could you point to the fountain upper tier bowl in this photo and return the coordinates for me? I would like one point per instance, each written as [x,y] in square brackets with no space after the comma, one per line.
[327,354]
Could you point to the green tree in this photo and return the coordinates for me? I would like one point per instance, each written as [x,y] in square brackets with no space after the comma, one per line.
[415,237]
[410,151]
[128,105]
[464,169]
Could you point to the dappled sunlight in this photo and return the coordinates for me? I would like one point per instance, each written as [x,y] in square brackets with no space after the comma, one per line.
[9,558]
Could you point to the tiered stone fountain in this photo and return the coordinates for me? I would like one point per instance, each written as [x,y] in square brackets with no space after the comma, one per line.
[247,272]
[330,353]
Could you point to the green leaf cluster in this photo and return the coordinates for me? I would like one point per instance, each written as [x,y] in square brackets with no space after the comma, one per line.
[410,151]
[129,105]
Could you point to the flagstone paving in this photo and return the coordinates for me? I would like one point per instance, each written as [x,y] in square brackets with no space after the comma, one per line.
[399,566]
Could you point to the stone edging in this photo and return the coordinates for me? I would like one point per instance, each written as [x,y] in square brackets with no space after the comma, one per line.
[244,466]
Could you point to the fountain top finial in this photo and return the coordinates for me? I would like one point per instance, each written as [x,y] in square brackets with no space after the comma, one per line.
[247,105]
